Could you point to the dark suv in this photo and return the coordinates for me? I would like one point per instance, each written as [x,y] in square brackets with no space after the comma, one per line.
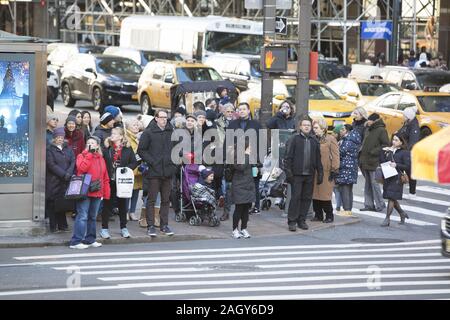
[101,79]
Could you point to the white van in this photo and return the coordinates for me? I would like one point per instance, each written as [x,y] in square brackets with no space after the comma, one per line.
[193,37]
[243,72]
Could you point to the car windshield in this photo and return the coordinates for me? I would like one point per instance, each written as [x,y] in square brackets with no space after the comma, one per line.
[316,92]
[225,42]
[118,65]
[153,55]
[197,74]
[433,79]
[435,103]
[376,89]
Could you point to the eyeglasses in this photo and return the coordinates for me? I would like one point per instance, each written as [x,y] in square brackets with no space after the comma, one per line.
[162,117]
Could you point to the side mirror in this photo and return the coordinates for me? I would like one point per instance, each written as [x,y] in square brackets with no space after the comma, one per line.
[411,86]
[353,94]
[280,97]
[90,70]
[169,80]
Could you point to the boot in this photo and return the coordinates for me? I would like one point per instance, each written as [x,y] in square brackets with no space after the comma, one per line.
[157,218]
[143,219]
[403,216]
[225,216]
[387,220]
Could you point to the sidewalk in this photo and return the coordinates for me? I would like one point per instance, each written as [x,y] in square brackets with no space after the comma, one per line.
[268,223]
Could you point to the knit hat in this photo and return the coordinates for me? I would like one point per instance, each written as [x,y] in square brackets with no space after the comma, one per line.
[106,117]
[410,113]
[113,110]
[191,116]
[96,139]
[59,132]
[374,117]
[71,119]
[180,110]
[51,116]
[338,128]
[199,113]
[205,173]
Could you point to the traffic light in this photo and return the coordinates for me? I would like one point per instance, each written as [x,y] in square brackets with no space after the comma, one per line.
[274,59]
[42,2]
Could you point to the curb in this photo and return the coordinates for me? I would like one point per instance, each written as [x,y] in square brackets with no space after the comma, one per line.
[188,237]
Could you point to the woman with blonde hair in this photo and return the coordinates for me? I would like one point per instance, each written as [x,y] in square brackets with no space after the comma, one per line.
[117,152]
[329,152]
[360,117]
[132,133]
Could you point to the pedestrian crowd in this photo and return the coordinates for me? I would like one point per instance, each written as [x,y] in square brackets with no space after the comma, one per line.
[319,160]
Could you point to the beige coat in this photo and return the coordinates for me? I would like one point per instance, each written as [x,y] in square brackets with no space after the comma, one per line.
[329,152]
[134,142]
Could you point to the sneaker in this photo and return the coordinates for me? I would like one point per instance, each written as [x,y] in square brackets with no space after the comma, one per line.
[79,246]
[104,234]
[302,225]
[236,234]
[133,217]
[245,233]
[292,227]
[151,231]
[124,232]
[94,244]
[166,230]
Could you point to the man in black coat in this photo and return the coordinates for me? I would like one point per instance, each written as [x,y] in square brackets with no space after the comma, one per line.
[302,164]
[284,119]
[246,123]
[155,148]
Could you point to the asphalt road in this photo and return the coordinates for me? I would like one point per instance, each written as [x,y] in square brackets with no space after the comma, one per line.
[360,261]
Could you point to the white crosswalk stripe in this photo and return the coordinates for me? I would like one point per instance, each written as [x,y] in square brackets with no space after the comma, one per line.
[334,271]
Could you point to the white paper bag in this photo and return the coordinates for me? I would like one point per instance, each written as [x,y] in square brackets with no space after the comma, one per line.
[388,171]
[124,183]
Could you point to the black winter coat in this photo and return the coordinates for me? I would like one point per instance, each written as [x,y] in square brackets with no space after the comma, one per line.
[375,139]
[102,133]
[128,159]
[243,186]
[279,121]
[410,131]
[392,187]
[60,165]
[294,156]
[155,148]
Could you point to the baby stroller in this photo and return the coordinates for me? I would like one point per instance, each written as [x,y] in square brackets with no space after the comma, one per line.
[194,211]
[273,186]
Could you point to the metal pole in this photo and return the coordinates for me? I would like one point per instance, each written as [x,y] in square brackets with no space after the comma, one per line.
[414,33]
[319,29]
[394,42]
[344,58]
[266,81]
[15,18]
[303,50]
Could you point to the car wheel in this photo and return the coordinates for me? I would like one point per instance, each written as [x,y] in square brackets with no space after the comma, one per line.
[68,101]
[97,100]
[425,132]
[146,105]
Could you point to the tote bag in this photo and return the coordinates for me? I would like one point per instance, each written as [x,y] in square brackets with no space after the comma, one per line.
[78,187]
[124,182]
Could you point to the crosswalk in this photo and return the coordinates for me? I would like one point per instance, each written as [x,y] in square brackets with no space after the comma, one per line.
[426,209]
[414,270]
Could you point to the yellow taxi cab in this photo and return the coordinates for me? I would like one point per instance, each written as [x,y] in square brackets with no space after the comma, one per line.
[322,101]
[360,91]
[160,75]
[433,110]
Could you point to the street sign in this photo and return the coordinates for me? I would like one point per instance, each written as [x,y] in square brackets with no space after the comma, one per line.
[281,25]
[372,29]
[274,59]
[258,4]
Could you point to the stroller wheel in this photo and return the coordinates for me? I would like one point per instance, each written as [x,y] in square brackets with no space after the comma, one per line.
[193,221]
[214,222]
[183,217]
[178,217]
[266,204]
[282,205]
[198,221]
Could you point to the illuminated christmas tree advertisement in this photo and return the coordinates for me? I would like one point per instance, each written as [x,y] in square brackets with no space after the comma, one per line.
[14,116]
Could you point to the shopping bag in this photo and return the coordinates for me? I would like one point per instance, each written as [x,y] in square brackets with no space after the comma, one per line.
[388,170]
[78,187]
[124,182]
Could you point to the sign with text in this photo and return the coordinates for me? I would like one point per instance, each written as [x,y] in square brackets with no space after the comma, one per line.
[376,30]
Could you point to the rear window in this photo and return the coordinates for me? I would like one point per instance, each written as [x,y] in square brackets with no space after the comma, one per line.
[151,56]
[433,79]
[316,92]
[197,74]
[376,89]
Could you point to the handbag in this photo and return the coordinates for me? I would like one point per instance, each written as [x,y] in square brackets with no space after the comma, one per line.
[379,177]
[404,179]
[95,186]
[78,187]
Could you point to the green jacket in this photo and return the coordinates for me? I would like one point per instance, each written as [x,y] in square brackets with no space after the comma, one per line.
[375,139]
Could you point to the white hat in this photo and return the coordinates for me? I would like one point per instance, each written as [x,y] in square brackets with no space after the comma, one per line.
[410,113]
[423,57]
[146,119]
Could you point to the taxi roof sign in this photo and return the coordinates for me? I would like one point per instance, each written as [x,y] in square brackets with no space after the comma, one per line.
[274,59]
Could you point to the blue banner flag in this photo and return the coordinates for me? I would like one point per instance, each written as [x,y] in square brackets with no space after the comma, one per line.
[376,30]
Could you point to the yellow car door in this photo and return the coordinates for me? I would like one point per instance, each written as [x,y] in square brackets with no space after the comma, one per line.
[168,82]
[406,100]
[156,95]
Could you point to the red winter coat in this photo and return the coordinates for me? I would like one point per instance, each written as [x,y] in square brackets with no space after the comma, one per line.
[75,141]
[94,164]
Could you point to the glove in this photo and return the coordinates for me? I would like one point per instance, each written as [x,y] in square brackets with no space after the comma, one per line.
[138,158]
[319,179]
[333,175]
[123,170]
[67,177]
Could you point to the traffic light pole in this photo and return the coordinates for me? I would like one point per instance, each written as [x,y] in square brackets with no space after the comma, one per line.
[303,51]
[266,82]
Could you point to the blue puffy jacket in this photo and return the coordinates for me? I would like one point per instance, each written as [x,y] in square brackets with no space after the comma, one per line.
[348,150]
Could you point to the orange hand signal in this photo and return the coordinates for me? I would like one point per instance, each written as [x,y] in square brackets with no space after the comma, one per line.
[269,59]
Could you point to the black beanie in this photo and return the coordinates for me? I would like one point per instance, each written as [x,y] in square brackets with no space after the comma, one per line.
[374,117]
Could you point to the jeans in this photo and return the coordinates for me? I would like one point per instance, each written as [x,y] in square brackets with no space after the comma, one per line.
[338,197]
[302,191]
[241,214]
[84,229]
[226,190]
[346,191]
[288,198]
[132,203]
[175,193]
[373,198]
[163,186]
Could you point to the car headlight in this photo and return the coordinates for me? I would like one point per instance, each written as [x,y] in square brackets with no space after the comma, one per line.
[443,124]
